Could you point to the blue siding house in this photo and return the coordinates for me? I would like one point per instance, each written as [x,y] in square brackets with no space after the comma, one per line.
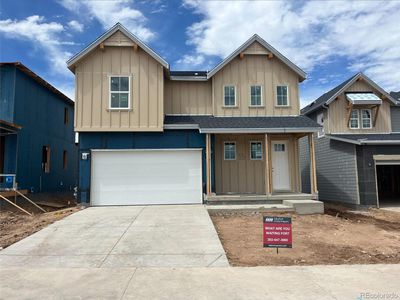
[36,132]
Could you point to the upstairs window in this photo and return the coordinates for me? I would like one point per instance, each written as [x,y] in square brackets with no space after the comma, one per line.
[255,95]
[46,159]
[229,150]
[256,152]
[119,92]
[353,123]
[366,119]
[229,95]
[66,115]
[282,98]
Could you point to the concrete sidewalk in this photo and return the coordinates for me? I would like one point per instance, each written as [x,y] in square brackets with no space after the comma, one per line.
[128,236]
[311,282]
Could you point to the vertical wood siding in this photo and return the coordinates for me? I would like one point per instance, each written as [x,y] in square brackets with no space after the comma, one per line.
[188,97]
[92,91]
[256,70]
[338,113]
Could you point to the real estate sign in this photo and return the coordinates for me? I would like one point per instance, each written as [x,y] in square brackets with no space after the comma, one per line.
[277,232]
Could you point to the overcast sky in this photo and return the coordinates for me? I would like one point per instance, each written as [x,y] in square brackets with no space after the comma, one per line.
[330,40]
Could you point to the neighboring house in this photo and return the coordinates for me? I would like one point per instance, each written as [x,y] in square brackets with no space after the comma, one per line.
[395,112]
[148,135]
[36,132]
[358,150]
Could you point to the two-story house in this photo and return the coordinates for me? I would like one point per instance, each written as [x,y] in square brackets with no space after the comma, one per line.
[37,144]
[149,135]
[358,149]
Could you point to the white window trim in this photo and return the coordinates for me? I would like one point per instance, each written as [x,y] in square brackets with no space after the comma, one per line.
[223,96]
[123,92]
[262,152]
[370,118]
[229,142]
[262,98]
[358,119]
[321,133]
[276,95]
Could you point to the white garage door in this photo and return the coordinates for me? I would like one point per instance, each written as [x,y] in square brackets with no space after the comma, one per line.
[135,177]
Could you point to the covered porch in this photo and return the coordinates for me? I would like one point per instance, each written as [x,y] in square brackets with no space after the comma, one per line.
[256,168]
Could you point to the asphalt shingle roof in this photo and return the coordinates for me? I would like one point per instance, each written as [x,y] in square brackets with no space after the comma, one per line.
[243,122]
[368,137]
[395,95]
[325,97]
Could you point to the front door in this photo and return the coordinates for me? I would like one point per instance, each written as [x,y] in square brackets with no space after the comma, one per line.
[280,166]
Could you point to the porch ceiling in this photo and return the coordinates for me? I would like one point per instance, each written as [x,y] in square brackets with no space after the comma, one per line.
[211,124]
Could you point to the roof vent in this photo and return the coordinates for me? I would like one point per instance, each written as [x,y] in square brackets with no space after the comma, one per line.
[196,74]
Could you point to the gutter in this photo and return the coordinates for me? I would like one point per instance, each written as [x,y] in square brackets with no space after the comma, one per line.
[259,130]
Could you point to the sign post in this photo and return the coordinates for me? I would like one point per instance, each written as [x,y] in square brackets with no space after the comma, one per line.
[277,232]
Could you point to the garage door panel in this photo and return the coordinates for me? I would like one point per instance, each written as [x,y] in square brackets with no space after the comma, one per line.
[146,177]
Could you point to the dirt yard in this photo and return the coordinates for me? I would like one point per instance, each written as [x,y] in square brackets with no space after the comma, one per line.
[339,236]
[15,225]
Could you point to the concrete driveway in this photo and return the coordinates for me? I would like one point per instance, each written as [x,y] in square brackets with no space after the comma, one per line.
[130,236]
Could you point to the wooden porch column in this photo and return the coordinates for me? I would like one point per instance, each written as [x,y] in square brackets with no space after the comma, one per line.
[268,165]
[208,164]
[313,169]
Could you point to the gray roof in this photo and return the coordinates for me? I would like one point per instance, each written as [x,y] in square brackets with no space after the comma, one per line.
[396,95]
[331,95]
[365,139]
[243,124]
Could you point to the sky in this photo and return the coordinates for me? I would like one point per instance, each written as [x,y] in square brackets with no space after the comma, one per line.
[329,40]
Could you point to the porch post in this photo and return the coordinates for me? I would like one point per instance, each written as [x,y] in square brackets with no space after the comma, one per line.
[313,169]
[208,164]
[267,166]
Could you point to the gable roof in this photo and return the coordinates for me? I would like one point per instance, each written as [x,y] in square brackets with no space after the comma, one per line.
[117,27]
[38,79]
[257,38]
[331,95]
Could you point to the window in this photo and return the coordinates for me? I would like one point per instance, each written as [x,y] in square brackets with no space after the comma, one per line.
[282,95]
[320,121]
[279,147]
[256,152]
[46,159]
[66,116]
[366,118]
[229,151]
[229,95]
[255,95]
[65,160]
[353,123]
[119,92]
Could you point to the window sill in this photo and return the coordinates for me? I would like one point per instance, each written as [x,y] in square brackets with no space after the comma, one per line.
[236,106]
[119,109]
[283,106]
[256,106]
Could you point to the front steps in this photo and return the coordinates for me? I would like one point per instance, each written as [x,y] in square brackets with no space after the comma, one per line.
[302,204]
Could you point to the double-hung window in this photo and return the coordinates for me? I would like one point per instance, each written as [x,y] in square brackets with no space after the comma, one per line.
[256,151]
[119,92]
[229,95]
[354,119]
[366,119]
[255,95]
[282,95]
[229,151]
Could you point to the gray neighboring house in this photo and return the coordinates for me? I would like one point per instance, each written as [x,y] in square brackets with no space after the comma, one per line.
[358,149]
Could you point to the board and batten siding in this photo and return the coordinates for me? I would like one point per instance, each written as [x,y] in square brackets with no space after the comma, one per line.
[92,74]
[255,70]
[338,113]
[187,97]
[395,116]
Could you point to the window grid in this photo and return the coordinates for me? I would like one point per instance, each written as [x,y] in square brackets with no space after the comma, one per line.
[119,92]
[229,151]
[282,95]
[256,151]
[353,123]
[366,118]
[255,95]
[229,95]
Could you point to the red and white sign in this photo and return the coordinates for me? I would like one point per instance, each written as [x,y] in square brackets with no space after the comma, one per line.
[277,232]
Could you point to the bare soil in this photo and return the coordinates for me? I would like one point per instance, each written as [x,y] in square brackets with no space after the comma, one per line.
[340,236]
[16,225]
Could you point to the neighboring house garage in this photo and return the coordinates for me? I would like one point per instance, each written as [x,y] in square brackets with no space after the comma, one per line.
[139,177]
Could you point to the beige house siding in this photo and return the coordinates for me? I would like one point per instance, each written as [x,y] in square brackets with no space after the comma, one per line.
[118,39]
[338,112]
[92,91]
[255,70]
[256,48]
[244,175]
[188,97]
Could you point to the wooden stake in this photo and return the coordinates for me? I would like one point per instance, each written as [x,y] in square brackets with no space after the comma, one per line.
[26,198]
[5,199]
